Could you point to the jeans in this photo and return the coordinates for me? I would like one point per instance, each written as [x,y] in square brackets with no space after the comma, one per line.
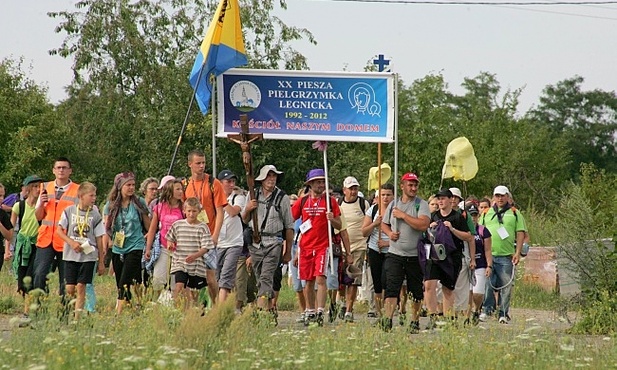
[42,267]
[502,275]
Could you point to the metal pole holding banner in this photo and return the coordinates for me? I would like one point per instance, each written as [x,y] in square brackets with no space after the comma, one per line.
[213,131]
[328,208]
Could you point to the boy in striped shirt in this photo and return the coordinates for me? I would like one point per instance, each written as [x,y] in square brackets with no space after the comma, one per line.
[190,239]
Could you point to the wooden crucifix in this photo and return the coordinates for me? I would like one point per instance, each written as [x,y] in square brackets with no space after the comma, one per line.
[244,139]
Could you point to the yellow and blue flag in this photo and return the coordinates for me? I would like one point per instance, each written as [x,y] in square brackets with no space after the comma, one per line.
[221,49]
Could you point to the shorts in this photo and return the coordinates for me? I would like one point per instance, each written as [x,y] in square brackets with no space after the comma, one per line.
[435,272]
[462,287]
[398,268]
[78,272]
[190,281]
[332,275]
[227,265]
[480,287]
[358,260]
[312,263]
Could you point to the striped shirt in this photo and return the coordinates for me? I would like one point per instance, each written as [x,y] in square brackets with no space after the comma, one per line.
[189,239]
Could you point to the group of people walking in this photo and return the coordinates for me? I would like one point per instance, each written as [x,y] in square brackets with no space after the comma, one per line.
[202,232]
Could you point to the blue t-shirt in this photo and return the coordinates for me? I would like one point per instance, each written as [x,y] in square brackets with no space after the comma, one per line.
[128,219]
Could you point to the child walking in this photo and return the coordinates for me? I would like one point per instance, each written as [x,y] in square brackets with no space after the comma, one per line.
[81,228]
[190,239]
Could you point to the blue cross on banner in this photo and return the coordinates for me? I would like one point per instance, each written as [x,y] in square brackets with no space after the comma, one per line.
[382,63]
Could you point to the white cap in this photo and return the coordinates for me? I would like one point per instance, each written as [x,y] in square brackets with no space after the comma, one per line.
[501,190]
[350,181]
[456,192]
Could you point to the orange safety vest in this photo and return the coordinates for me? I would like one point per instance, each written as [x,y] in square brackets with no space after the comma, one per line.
[53,211]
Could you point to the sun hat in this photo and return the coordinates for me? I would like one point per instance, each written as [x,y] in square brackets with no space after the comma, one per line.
[353,271]
[263,172]
[31,179]
[315,174]
[165,180]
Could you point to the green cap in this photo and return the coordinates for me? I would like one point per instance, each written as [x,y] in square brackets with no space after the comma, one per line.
[31,179]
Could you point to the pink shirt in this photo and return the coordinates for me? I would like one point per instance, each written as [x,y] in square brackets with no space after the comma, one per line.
[167,216]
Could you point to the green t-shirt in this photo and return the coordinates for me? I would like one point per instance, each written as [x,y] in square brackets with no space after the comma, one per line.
[128,219]
[512,224]
[30,225]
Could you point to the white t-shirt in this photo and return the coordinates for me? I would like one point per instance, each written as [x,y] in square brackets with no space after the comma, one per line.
[231,231]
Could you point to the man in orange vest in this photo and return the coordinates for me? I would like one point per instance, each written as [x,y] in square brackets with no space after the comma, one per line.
[55,197]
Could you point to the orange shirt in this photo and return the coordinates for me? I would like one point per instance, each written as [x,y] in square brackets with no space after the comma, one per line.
[200,189]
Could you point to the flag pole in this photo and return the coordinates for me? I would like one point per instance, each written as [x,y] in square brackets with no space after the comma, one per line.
[213,109]
[186,120]
[328,208]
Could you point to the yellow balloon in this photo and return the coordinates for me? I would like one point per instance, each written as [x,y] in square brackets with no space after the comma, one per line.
[373,181]
[461,162]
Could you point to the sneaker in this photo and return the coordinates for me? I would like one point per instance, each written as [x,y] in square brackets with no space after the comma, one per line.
[385,324]
[348,317]
[503,320]
[300,318]
[309,318]
[414,327]
[483,317]
[432,322]
[319,318]
[401,318]
[341,312]
[371,315]
[423,312]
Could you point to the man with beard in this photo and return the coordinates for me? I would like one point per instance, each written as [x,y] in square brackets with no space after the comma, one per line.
[275,226]
[313,258]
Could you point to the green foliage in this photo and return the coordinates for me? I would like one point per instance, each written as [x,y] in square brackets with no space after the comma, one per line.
[598,316]
[29,124]
[587,120]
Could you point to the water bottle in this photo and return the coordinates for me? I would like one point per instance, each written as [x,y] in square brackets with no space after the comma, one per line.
[524,250]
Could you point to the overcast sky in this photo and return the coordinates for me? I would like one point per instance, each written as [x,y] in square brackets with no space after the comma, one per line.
[526,47]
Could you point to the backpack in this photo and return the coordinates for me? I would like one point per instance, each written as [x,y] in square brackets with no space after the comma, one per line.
[362,203]
[337,249]
[246,235]
[22,212]
[275,200]
[435,247]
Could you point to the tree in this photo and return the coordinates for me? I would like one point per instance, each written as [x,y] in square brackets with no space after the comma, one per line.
[587,119]
[131,63]
[33,132]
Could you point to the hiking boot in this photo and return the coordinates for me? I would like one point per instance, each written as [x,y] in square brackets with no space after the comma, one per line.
[402,317]
[371,315]
[385,324]
[348,317]
[503,320]
[341,312]
[414,327]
